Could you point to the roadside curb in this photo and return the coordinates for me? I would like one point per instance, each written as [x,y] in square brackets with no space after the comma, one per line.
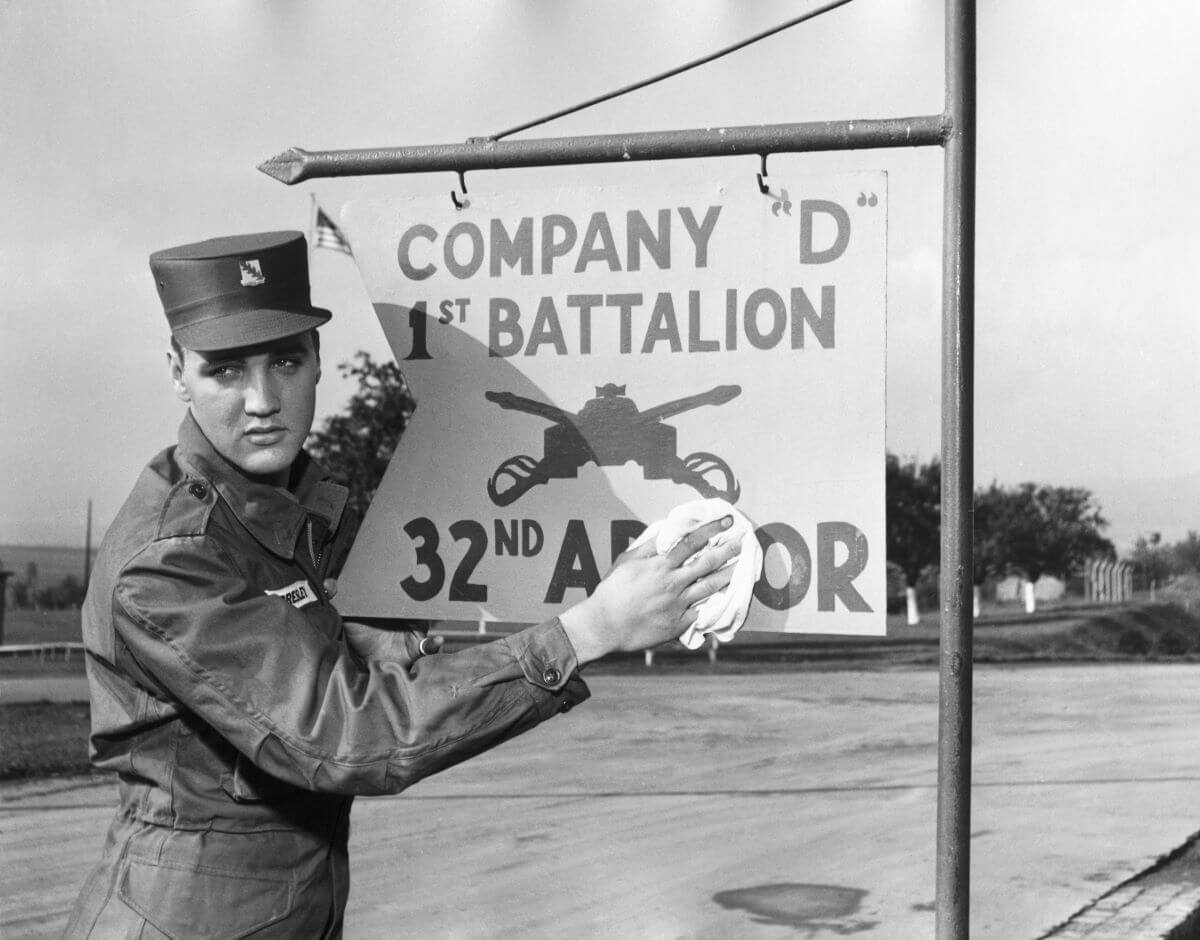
[1160,903]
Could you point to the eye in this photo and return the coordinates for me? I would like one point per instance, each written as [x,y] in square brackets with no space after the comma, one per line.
[222,370]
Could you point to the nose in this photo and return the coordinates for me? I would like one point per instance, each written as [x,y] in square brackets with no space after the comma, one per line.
[261,395]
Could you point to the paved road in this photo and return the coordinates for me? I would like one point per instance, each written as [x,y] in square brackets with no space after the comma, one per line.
[769,806]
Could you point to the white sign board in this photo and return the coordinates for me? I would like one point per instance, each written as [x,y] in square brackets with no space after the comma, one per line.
[585,359]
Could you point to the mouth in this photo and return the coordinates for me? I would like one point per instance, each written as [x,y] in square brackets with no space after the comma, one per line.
[266,436]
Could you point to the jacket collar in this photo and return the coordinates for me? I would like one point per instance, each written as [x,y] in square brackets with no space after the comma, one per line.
[274,515]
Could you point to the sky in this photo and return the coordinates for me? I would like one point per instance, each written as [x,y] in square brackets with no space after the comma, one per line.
[129,127]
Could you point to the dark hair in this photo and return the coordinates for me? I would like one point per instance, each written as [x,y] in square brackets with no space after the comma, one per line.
[314,332]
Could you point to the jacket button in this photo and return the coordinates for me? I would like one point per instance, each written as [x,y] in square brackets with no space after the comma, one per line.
[198,489]
[551,676]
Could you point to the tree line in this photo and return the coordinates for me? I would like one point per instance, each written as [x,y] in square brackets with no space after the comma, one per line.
[1028,530]
[1160,562]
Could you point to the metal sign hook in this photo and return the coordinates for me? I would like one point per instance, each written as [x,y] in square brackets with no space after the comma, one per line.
[462,185]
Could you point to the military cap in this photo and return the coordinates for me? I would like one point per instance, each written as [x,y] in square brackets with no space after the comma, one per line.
[236,291]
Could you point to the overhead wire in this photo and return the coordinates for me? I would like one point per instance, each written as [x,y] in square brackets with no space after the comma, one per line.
[669,73]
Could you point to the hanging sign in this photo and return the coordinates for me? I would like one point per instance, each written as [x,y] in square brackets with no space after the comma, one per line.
[585,359]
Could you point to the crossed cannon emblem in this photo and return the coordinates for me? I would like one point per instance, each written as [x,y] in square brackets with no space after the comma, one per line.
[610,430]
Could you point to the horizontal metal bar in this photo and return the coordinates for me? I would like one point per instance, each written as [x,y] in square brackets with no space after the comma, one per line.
[296,165]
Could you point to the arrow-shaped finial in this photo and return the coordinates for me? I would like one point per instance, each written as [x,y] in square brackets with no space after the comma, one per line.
[289,167]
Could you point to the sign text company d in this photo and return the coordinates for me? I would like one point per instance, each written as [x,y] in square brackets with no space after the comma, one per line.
[583,360]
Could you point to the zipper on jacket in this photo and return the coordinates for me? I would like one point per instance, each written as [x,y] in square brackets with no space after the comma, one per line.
[316,560]
[312,552]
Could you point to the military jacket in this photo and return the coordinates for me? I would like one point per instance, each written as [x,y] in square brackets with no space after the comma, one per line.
[229,695]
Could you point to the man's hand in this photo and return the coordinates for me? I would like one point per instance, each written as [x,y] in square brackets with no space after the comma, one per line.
[647,598]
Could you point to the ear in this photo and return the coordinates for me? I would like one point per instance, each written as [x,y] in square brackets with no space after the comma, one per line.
[315,339]
[176,366]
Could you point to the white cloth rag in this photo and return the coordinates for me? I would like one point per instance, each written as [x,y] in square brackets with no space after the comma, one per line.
[722,614]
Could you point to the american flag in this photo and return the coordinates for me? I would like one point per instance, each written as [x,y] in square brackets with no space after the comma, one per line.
[327,235]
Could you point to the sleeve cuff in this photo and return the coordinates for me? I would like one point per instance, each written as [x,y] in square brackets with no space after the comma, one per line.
[545,654]
[545,658]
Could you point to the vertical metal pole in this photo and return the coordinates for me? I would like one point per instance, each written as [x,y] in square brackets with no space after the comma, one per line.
[87,548]
[958,340]
[3,598]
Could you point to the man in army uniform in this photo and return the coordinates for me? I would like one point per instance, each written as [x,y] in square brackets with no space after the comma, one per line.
[241,714]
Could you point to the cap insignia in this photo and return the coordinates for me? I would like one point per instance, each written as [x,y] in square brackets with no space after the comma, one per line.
[252,275]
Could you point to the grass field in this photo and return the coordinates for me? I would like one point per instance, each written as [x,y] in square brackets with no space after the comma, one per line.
[53,562]
[41,626]
[41,740]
